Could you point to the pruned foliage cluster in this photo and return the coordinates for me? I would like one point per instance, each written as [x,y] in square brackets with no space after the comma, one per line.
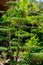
[21,33]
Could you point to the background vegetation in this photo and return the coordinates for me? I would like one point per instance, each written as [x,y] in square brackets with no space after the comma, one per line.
[21,33]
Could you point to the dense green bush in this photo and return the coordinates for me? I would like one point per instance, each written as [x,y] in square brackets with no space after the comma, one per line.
[21,33]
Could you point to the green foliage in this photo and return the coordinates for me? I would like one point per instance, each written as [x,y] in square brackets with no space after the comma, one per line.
[21,33]
[3,48]
[33,41]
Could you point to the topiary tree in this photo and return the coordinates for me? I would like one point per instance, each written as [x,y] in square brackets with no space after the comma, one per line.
[20,31]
